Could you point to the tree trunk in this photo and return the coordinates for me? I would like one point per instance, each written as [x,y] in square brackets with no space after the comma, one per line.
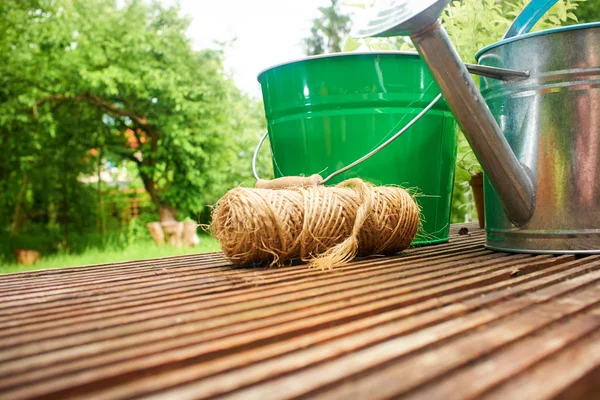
[65,220]
[173,232]
[17,221]
[157,233]
[167,213]
[101,224]
[168,229]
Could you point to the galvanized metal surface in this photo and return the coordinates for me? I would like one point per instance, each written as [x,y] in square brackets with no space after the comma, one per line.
[537,139]
[398,18]
[448,321]
[502,167]
[552,123]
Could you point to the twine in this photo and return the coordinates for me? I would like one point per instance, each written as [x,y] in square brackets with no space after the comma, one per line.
[327,226]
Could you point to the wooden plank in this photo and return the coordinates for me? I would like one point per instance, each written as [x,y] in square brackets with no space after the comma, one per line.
[206,260]
[201,267]
[574,368]
[505,366]
[426,369]
[256,304]
[452,320]
[197,290]
[51,275]
[307,304]
[350,365]
[378,332]
[241,274]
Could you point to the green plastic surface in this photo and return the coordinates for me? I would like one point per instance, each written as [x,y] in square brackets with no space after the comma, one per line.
[323,113]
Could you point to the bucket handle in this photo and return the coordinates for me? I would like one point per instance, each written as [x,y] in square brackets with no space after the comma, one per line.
[363,158]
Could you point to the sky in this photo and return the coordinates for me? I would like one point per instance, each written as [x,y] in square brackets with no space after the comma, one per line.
[268,32]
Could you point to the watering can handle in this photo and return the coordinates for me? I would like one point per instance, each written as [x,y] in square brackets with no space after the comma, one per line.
[530,15]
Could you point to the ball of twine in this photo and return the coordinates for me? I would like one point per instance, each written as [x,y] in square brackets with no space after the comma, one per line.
[327,226]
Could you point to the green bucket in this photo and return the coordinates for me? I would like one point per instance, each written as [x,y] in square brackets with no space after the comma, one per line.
[326,112]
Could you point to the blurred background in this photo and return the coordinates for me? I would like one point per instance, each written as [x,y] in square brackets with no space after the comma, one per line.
[122,122]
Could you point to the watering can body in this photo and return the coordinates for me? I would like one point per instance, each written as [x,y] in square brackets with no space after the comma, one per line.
[551,122]
[537,138]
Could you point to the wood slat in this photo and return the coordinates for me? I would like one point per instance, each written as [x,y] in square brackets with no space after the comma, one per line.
[451,321]
[231,363]
[306,296]
[240,275]
[313,301]
[155,295]
[351,361]
[491,370]
[575,367]
[96,375]
[202,339]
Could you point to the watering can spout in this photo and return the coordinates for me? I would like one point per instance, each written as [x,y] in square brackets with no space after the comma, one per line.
[419,19]
[512,180]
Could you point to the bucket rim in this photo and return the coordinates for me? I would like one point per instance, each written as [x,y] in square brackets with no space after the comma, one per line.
[337,55]
[535,34]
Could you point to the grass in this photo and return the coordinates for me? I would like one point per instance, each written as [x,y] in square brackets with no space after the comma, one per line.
[138,251]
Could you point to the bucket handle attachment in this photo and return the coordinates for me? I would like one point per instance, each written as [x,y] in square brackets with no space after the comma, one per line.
[503,74]
[313,180]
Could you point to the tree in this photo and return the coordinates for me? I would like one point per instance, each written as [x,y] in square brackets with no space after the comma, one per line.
[125,70]
[588,11]
[328,31]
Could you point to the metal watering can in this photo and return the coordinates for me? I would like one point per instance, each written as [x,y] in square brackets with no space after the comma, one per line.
[538,137]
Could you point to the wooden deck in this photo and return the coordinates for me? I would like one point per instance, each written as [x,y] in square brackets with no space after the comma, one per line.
[451,321]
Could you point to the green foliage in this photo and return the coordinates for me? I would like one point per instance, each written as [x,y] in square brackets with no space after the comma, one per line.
[588,11]
[328,31]
[474,24]
[121,79]
[86,84]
